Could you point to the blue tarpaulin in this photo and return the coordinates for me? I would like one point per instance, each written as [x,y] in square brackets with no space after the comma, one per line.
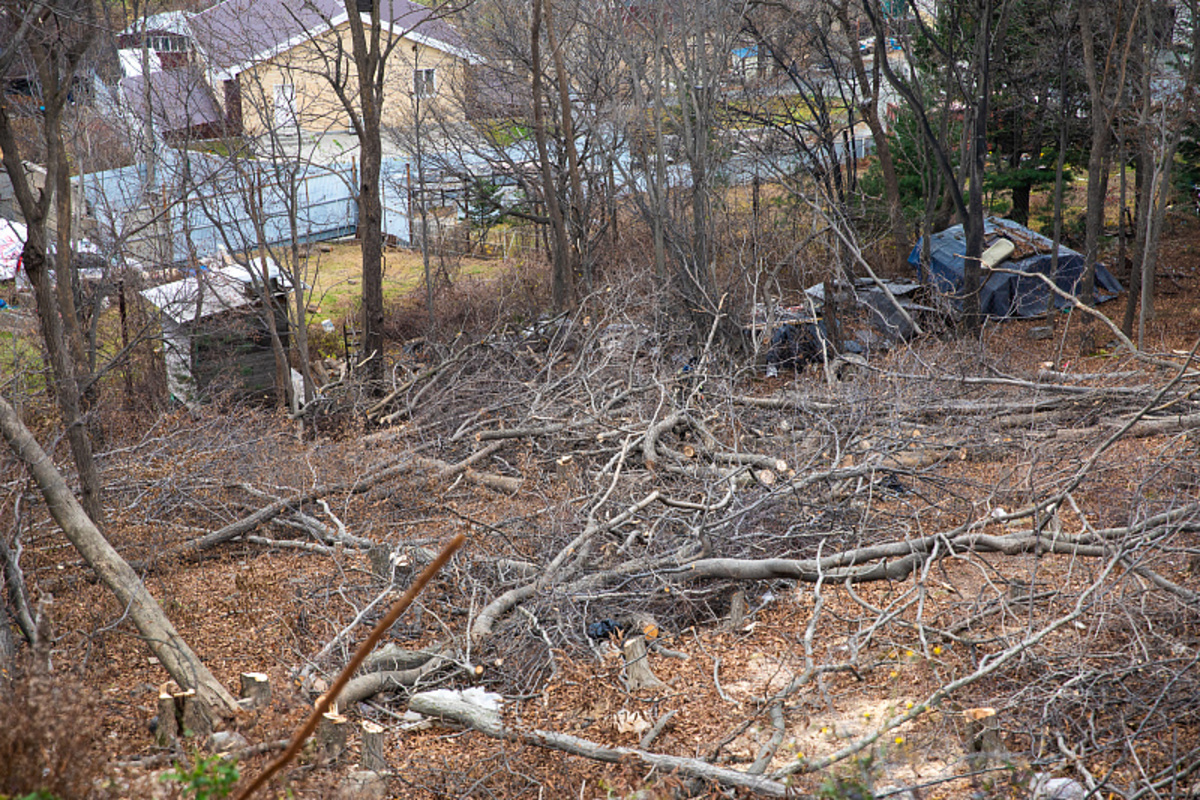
[1003,294]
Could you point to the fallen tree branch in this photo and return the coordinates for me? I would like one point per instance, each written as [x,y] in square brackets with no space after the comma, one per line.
[269,512]
[359,485]
[448,706]
[987,666]
[371,684]
[520,433]
[446,470]
[1141,429]
[376,410]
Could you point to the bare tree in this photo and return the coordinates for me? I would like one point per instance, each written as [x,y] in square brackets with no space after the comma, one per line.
[54,39]
[976,25]
[1169,74]
[1114,29]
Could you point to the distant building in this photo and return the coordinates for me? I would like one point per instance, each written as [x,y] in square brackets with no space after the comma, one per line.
[214,332]
[267,60]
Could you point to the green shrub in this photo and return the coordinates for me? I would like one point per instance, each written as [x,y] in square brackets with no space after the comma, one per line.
[208,778]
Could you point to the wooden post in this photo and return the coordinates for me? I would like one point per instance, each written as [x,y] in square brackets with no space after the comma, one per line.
[372,759]
[256,690]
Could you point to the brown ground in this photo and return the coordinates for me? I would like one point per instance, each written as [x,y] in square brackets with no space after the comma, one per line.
[247,607]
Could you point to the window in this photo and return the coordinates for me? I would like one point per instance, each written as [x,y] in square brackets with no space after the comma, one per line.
[424,83]
[168,44]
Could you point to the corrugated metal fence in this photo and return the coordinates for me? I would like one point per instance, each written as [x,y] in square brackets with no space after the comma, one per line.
[198,203]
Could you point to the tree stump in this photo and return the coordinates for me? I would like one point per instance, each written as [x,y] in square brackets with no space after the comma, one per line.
[194,715]
[638,674]
[331,737]
[737,610]
[166,730]
[372,759]
[180,713]
[983,737]
[380,557]
[363,785]
[256,690]
[564,467]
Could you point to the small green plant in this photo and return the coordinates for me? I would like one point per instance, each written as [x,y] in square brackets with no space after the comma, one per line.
[208,778]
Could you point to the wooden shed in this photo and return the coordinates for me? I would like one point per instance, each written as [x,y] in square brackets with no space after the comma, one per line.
[215,335]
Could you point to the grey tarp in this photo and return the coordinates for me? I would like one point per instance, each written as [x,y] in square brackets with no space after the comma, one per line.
[1003,294]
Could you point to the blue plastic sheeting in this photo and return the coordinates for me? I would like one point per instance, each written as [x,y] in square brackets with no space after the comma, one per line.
[1003,294]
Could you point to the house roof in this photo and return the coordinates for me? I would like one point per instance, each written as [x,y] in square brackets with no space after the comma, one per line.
[212,292]
[179,98]
[199,297]
[236,34]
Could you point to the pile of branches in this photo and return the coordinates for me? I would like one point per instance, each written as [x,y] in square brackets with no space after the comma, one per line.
[649,479]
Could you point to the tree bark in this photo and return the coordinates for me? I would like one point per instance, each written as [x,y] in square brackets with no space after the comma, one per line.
[34,260]
[869,107]
[369,62]
[562,285]
[179,660]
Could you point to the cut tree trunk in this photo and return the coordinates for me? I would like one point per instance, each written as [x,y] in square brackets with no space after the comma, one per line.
[331,737]
[638,674]
[372,758]
[172,651]
[256,690]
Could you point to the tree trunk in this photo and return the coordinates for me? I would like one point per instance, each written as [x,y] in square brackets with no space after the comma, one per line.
[369,63]
[973,265]
[1102,113]
[33,255]
[284,394]
[870,86]
[183,665]
[971,215]
[370,221]
[1020,203]
[574,214]
[562,288]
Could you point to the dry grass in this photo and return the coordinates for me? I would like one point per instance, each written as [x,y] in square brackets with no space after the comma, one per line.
[335,275]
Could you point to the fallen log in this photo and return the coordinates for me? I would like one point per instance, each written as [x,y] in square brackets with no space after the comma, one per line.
[1146,427]
[180,661]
